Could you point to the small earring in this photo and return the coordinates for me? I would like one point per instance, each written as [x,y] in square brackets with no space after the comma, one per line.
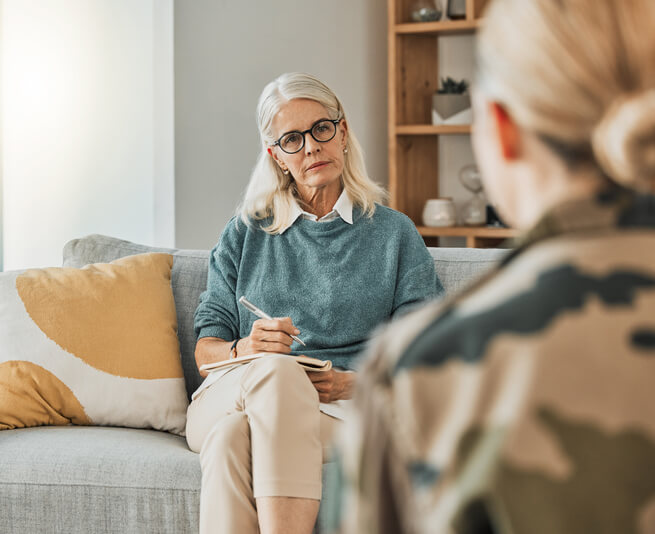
[345,150]
[285,171]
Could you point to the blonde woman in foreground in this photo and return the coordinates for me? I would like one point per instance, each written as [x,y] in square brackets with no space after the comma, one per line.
[312,247]
[525,405]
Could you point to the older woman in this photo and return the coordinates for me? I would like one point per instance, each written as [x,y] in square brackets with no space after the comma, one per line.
[526,404]
[313,248]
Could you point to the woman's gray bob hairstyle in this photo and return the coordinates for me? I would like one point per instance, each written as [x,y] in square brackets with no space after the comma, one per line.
[271,193]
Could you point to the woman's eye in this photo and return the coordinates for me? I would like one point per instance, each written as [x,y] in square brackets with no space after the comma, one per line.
[291,139]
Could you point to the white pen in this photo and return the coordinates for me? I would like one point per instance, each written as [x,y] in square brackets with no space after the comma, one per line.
[259,313]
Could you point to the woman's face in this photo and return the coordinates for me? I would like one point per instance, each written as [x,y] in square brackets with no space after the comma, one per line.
[316,165]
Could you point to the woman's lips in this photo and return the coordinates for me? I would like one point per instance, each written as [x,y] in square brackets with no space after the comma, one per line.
[317,165]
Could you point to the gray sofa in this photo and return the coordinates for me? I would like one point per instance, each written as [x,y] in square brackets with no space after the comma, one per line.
[105,479]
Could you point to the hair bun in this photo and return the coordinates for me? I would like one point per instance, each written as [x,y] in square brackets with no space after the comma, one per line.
[624,140]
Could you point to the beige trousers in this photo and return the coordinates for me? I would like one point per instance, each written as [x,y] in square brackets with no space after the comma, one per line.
[259,433]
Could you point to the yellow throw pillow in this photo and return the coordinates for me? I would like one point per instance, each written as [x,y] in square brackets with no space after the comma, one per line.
[91,346]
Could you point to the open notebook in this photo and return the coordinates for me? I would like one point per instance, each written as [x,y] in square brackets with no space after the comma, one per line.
[311,364]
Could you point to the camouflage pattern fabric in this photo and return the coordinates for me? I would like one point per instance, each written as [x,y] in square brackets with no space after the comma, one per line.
[525,405]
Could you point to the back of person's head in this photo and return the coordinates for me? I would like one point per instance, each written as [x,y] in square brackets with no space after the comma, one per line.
[581,75]
[270,192]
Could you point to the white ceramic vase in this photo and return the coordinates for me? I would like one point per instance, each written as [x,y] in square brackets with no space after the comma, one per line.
[439,212]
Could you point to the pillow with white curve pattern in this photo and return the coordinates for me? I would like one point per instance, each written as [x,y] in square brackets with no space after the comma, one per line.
[91,346]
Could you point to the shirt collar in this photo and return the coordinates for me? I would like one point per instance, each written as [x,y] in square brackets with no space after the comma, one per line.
[343,207]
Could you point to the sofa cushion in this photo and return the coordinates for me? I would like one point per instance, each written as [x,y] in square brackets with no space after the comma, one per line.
[97,479]
[91,346]
[458,267]
[189,279]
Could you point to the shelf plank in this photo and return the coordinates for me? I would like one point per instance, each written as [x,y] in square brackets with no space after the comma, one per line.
[428,129]
[467,231]
[451,27]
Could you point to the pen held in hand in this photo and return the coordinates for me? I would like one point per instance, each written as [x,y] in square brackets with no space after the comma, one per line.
[263,315]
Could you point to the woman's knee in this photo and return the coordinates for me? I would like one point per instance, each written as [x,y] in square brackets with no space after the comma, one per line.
[279,385]
[229,435]
[282,368]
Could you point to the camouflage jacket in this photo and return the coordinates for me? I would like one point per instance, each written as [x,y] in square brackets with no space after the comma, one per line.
[525,405]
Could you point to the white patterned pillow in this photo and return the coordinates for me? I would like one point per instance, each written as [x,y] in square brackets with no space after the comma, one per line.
[91,346]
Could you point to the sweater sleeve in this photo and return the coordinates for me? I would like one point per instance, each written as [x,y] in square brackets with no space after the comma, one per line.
[417,279]
[217,314]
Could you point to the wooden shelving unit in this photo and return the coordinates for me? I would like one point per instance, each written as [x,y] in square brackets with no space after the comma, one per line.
[413,73]
[452,27]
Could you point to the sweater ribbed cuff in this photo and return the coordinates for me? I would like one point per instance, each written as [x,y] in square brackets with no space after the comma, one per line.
[216,331]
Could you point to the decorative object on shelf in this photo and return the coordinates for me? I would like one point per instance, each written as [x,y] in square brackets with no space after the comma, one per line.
[493,219]
[439,212]
[451,104]
[456,9]
[474,211]
[426,10]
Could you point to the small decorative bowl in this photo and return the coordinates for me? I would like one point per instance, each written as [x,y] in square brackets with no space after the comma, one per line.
[439,212]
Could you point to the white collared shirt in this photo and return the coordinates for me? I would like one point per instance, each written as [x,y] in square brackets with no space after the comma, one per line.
[343,208]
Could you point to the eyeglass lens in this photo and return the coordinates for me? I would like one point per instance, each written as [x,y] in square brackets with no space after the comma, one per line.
[322,131]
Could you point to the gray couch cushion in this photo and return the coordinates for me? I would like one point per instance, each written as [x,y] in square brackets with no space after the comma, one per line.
[458,267]
[189,279]
[97,479]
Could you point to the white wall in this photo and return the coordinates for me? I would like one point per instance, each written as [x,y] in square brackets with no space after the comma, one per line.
[87,124]
[225,52]
[1,145]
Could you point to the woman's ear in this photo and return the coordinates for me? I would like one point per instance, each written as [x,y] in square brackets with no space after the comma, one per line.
[274,155]
[277,160]
[344,128]
[507,131]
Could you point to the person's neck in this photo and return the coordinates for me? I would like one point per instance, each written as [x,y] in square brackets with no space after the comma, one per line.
[319,201]
[558,186]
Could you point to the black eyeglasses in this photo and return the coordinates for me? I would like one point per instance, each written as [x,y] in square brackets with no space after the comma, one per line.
[322,131]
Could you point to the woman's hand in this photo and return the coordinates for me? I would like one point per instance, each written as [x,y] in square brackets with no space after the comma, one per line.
[332,385]
[268,335]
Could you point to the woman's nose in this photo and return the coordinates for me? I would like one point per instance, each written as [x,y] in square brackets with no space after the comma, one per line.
[311,145]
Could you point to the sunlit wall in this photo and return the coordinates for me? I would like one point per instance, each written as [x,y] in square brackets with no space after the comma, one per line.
[1,146]
[86,124]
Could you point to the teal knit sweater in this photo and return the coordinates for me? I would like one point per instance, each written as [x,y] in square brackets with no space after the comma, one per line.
[337,281]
